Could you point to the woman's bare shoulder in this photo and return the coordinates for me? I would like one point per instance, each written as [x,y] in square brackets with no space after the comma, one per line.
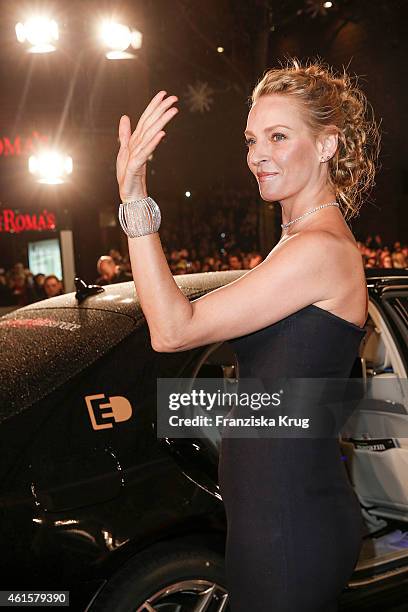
[341,273]
[347,288]
[326,242]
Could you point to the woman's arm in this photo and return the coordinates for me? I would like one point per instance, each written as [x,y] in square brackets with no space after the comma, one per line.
[164,305]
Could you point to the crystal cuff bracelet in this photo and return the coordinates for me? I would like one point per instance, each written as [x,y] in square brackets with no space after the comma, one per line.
[140,217]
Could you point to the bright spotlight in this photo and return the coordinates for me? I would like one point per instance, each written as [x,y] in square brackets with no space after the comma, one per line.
[188,194]
[50,167]
[220,49]
[40,33]
[118,38]
[328,4]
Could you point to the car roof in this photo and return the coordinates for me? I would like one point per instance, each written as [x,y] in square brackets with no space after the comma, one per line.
[122,297]
[386,273]
[381,280]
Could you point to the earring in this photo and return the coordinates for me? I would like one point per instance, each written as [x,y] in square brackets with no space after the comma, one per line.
[323,159]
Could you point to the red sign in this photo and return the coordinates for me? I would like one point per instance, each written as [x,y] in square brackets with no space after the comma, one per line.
[20,145]
[14,223]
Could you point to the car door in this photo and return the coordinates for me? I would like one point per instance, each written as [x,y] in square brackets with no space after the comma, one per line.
[376,436]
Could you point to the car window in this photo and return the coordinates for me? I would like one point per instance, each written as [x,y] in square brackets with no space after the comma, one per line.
[396,305]
[43,348]
[400,305]
[381,349]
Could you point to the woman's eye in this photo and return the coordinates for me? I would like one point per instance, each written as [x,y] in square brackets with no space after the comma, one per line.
[279,134]
[250,141]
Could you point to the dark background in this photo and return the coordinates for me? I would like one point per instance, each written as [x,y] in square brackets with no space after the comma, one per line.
[76,97]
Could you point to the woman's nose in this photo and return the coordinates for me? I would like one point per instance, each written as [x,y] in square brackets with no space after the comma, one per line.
[258,155]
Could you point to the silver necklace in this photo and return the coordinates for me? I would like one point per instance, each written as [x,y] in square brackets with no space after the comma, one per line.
[309,212]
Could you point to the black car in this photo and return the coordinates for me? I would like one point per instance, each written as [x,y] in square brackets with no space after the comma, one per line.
[94,503]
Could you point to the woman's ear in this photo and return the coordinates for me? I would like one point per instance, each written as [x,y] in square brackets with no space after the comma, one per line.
[327,145]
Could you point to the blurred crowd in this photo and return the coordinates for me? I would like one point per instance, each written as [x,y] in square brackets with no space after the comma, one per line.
[375,254]
[201,253]
[114,268]
[19,286]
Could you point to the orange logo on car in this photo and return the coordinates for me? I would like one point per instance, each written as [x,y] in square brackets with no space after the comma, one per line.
[104,415]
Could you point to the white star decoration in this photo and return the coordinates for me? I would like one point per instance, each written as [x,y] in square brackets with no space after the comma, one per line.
[315,7]
[199,97]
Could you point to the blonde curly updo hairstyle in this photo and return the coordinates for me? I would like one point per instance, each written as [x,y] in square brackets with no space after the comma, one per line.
[333,100]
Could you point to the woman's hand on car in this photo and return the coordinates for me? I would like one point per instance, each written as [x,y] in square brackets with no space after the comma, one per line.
[136,148]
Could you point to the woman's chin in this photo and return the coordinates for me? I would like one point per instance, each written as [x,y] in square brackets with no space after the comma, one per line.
[269,195]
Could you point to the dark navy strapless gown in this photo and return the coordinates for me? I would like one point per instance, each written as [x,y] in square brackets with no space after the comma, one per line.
[294,521]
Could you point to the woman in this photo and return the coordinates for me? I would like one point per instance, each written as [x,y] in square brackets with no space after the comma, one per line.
[294,522]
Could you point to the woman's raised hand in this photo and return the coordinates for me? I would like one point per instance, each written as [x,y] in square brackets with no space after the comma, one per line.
[136,148]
